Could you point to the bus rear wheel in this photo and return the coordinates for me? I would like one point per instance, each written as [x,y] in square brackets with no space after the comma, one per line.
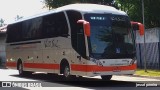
[106,77]
[20,69]
[21,72]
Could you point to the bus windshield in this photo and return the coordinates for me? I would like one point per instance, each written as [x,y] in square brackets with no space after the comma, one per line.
[111,37]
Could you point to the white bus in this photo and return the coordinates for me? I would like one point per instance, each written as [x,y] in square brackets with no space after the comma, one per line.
[73,40]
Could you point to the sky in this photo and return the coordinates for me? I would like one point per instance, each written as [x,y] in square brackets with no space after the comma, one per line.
[9,9]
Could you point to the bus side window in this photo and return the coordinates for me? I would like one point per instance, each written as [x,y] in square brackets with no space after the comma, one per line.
[77,33]
[55,25]
[14,33]
[32,29]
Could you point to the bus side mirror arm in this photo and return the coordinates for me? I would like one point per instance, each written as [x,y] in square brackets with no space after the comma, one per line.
[86,26]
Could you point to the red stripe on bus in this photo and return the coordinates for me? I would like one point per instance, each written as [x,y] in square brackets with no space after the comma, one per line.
[41,65]
[75,67]
[90,68]
[11,64]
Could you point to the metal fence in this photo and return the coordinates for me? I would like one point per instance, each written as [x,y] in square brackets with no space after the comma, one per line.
[152,49]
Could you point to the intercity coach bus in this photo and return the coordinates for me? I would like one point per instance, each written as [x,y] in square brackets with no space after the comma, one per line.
[73,40]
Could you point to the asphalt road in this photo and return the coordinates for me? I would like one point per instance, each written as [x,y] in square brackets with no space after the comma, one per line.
[56,82]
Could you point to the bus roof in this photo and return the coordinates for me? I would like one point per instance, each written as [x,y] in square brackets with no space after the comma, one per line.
[91,8]
[84,8]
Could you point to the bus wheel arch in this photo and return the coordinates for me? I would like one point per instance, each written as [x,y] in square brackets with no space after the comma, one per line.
[20,67]
[21,70]
[65,68]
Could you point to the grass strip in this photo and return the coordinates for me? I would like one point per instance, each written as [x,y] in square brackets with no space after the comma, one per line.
[154,73]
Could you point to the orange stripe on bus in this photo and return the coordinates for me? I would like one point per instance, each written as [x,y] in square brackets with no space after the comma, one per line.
[75,67]
[90,68]
[41,65]
[11,64]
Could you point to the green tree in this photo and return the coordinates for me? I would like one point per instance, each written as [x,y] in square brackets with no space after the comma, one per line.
[56,3]
[18,17]
[134,10]
[1,22]
[152,14]
[50,4]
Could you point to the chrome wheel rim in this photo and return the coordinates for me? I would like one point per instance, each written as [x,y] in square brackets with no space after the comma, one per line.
[66,71]
[20,68]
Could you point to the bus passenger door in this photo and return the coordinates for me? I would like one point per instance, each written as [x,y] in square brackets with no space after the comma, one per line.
[78,51]
[81,48]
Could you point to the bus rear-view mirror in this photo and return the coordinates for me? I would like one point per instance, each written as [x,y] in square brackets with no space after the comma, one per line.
[141,29]
[138,26]
[86,26]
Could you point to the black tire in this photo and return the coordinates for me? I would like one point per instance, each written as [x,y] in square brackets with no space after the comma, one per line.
[66,70]
[106,77]
[66,73]
[20,69]
[21,72]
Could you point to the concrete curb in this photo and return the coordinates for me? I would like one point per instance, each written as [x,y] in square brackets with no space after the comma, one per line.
[144,76]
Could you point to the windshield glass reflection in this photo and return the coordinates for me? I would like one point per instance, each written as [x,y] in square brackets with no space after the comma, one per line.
[111,36]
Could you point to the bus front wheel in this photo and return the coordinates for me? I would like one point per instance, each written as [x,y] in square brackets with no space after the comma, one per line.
[106,77]
[66,72]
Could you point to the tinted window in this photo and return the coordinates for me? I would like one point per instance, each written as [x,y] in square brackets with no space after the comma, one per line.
[77,33]
[32,28]
[55,25]
[52,25]
[110,37]
[14,32]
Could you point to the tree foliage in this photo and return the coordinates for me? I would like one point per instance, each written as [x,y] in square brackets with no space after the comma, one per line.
[1,22]
[50,4]
[134,10]
[18,17]
[132,7]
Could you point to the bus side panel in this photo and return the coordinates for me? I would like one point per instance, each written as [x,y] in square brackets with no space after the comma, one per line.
[11,56]
[63,51]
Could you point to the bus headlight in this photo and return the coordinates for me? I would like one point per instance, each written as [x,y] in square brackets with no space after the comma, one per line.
[133,61]
[99,63]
